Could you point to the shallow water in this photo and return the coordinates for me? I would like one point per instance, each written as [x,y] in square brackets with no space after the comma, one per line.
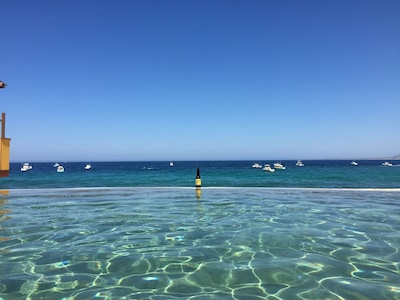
[219,243]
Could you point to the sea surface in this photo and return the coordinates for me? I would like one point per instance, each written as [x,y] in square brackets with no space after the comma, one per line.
[141,230]
[315,174]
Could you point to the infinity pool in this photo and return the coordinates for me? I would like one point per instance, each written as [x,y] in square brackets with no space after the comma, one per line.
[217,243]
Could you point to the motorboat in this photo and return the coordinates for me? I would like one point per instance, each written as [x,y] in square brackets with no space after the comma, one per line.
[26,167]
[88,167]
[268,168]
[387,164]
[353,163]
[257,166]
[279,166]
[60,169]
[171,164]
[299,163]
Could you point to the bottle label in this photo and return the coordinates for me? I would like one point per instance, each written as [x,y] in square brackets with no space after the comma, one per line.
[198,182]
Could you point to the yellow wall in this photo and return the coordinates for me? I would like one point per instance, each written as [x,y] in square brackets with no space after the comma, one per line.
[4,157]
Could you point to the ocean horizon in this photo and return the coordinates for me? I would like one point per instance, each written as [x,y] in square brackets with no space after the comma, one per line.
[314,174]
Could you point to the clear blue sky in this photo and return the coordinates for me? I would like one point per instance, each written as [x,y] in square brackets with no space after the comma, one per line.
[200,79]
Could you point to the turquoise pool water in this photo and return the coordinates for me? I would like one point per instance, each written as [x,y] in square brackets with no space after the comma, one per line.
[217,243]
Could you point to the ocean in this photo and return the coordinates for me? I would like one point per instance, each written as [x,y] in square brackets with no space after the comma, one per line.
[141,230]
[315,174]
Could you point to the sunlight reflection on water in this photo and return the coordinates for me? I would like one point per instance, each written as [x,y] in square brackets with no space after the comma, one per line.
[231,243]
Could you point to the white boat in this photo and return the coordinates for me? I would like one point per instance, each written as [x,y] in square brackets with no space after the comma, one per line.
[268,168]
[88,167]
[353,163]
[257,166]
[171,164]
[26,167]
[387,164]
[279,166]
[60,169]
[299,163]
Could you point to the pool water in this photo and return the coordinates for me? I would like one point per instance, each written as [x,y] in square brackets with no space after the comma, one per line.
[213,243]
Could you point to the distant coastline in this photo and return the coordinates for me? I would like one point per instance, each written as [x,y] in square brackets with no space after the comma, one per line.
[396,157]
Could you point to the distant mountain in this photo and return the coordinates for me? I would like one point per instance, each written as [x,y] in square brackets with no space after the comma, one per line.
[396,157]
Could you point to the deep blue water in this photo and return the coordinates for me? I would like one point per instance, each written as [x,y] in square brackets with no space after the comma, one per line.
[315,173]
